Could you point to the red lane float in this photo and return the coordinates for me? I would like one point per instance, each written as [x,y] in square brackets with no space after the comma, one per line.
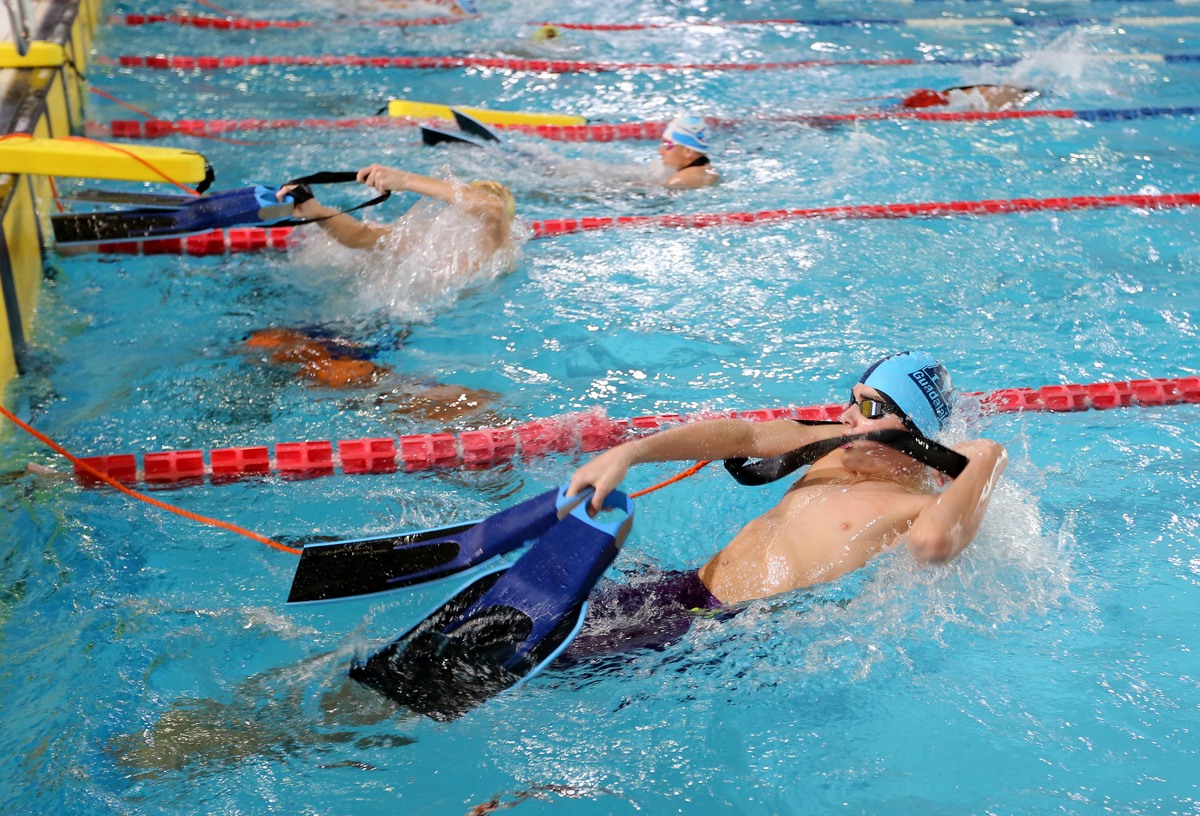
[252,239]
[158,128]
[249,24]
[208,63]
[586,432]
[621,131]
[566,226]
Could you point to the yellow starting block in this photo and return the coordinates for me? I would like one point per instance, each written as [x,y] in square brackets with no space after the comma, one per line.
[86,158]
[400,108]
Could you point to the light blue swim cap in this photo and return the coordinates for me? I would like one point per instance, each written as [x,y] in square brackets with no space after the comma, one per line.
[919,386]
[689,131]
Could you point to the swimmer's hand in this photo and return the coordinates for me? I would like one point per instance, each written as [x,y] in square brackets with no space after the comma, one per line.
[305,204]
[385,179]
[604,473]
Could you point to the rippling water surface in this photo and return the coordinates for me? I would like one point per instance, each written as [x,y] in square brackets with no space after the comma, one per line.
[149,664]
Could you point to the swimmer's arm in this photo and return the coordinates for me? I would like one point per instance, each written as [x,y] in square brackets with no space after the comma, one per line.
[950,521]
[475,202]
[692,178]
[342,228]
[713,439]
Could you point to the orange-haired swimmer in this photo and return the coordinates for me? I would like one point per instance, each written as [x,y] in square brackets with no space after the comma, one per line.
[972,97]
[324,360]
[329,361]
[489,204]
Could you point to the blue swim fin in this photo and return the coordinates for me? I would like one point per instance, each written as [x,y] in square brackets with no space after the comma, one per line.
[346,569]
[502,628]
[243,206]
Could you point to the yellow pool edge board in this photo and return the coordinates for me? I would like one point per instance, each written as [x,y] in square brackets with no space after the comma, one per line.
[85,158]
[23,261]
[26,201]
[401,108]
[40,54]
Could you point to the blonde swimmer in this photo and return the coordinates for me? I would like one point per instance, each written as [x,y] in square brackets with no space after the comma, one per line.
[486,208]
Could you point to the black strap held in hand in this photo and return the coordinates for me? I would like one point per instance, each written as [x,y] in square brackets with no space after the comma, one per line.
[303,192]
[920,448]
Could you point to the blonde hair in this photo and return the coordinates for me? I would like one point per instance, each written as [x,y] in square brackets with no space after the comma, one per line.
[498,189]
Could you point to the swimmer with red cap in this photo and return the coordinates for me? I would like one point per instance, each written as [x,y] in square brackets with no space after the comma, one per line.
[684,151]
[856,500]
[972,97]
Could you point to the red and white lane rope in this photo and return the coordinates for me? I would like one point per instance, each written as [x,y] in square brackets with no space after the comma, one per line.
[256,239]
[586,432]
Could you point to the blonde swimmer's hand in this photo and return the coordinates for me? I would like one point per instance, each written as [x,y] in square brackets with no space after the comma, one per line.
[382,178]
[308,208]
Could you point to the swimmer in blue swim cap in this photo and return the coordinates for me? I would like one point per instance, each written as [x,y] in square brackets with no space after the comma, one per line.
[858,497]
[914,386]
[684,150]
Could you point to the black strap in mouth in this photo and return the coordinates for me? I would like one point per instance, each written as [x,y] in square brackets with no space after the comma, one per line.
[920,448]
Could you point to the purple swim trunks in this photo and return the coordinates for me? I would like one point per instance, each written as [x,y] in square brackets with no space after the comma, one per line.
[651,611]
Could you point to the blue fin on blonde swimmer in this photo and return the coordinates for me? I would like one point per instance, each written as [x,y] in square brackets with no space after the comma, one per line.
[170,215]
[365,566]
[504,627]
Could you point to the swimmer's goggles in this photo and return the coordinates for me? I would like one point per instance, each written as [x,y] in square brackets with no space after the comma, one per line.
[872,408]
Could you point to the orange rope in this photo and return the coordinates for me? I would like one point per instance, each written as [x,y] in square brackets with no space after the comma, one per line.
[79,463]
[126,105]
[678,477]
[132,155]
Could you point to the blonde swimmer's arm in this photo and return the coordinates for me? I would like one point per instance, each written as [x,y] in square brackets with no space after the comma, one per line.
[479,203]
[342,228]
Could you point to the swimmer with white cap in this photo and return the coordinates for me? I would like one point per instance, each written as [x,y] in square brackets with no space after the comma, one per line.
[684,151]
[856,500]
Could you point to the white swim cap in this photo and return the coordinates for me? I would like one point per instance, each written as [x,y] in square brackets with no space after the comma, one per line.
[688,131]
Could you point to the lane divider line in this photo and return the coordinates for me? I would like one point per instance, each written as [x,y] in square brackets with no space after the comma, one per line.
[622,131]
[586,432]
[256,239]
[557,66]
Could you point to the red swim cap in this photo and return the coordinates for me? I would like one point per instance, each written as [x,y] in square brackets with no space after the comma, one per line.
[925,98]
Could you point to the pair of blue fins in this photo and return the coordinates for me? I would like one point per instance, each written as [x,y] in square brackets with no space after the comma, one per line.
[508,623]
[500,628]
[160,216]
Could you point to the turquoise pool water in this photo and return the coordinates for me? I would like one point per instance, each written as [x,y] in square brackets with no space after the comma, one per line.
[149,664]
